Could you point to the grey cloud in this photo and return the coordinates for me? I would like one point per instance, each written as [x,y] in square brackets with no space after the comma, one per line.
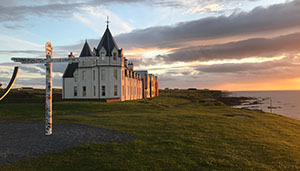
[60,67]
[78,46]
[38,82]
[13,25]
[259,20]
[56,67]
[7,64]
[215,75]
[15,10]
[206,77]
[245,67]
[25,70]
[4,72]
[8,3]
[145,61]
[34,82]
[16,13]
[203,81]
[23,51]
[37,68]
[35,53]
[258,47]
[31,69]
[101,2]
[176,4]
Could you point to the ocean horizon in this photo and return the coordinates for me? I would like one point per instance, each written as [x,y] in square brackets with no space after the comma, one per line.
[283,102]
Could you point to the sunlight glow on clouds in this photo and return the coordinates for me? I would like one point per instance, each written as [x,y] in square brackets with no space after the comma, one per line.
[280,84]
[206,9]
[182,66]
[233,45]
[244,60]
[146,53]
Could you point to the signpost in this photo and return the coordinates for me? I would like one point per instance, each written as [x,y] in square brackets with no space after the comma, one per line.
[48,107]
[48,63]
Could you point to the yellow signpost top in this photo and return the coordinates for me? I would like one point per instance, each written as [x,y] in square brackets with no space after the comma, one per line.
[48,48]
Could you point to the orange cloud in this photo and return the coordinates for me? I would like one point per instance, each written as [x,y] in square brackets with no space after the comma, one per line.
[146,52]
[280,84]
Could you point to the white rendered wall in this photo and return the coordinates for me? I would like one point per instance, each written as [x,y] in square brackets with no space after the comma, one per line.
[68,88]
[132,86]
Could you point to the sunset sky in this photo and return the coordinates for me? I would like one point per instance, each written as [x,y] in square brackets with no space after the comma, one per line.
[215,44]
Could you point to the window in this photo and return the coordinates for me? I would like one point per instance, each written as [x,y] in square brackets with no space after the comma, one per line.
[84,91]
[102,55]
[94,90]
[76,77]
[115,90]
[94,75]
[83,75]
[116,74]
[103,90]
[75,91]
[115,56]
[103,74]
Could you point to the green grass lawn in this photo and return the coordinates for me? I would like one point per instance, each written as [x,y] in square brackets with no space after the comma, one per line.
[174,132]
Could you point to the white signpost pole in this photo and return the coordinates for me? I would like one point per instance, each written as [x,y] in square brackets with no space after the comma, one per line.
[48,107]
[48,63]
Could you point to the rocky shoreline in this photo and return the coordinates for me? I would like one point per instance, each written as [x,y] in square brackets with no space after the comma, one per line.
[226,98]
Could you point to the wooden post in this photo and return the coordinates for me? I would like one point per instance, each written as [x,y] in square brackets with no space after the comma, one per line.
[48,63]
[48,106]
[271,107]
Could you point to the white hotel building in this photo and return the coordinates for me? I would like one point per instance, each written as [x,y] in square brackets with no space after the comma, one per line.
[103,74]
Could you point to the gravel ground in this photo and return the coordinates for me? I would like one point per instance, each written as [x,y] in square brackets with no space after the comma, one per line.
[22,140]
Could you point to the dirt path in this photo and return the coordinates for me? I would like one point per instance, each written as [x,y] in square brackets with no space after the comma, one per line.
[22,140]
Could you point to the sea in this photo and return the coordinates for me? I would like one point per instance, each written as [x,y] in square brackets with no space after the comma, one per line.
[286,103]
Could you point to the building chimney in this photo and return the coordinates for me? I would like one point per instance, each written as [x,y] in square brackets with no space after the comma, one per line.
[130,65]
[71,56]
[126,62]
[121,52]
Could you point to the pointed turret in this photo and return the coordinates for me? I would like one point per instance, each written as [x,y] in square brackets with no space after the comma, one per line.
[86,50]
[108,42]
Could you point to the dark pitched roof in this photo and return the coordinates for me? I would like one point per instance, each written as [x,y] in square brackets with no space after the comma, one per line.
[86,50]
[108,42]
[70,70]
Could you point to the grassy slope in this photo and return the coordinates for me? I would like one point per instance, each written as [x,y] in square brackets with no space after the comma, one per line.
[184,137]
